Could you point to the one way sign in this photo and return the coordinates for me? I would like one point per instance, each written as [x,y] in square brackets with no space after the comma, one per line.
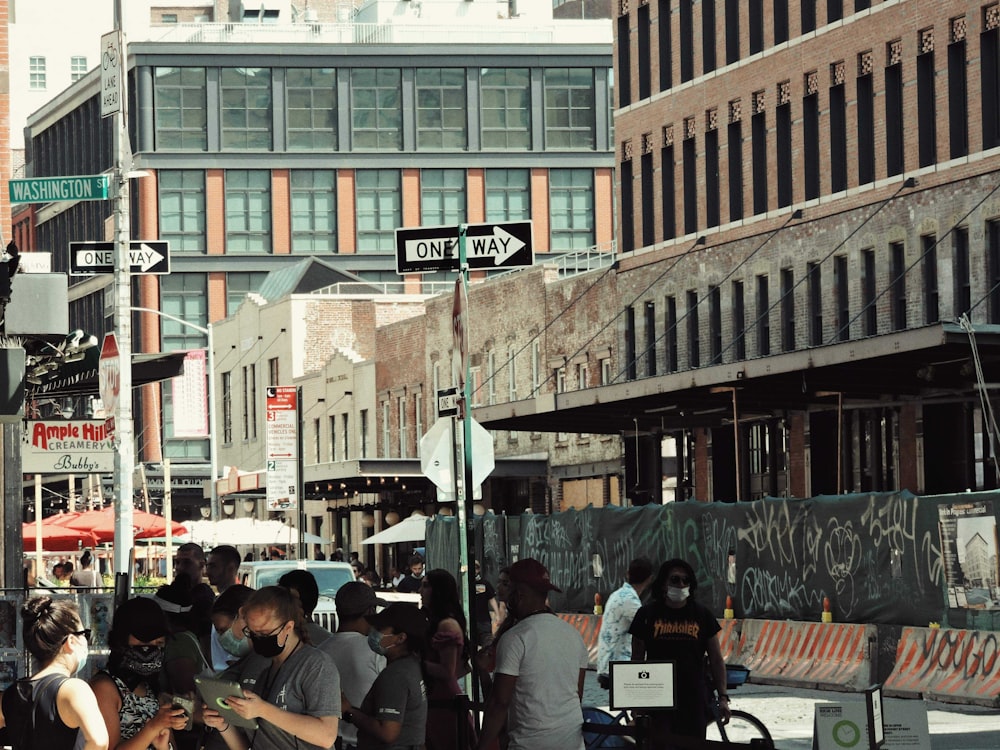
[487,246]
[146,257]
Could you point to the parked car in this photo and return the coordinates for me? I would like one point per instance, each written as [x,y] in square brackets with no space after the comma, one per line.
[330,576]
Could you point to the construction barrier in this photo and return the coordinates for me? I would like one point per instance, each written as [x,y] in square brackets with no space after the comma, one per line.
[729,640]
[950,665]
[831,656]
[590,629]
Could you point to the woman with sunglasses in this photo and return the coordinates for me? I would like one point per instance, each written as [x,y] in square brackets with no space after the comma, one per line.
[52,707]
[293,693]
[674,627]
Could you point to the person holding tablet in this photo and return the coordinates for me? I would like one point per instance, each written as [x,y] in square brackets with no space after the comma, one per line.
[294,696]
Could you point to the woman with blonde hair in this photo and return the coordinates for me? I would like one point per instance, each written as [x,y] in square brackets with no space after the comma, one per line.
[293,693]
[53,708]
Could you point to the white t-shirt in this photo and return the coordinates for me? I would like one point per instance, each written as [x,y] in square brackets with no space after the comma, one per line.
[546,655]
[358,666]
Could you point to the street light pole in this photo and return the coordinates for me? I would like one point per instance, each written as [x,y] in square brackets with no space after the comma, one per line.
[124,426]
[213,438]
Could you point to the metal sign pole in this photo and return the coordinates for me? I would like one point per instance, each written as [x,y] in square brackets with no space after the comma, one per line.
[125,455]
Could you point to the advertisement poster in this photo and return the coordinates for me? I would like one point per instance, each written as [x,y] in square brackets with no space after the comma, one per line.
[969,550]
[59,446]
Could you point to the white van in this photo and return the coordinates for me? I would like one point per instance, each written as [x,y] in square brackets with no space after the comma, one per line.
[330,576]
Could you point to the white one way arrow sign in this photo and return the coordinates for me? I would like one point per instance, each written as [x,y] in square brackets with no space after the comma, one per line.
[144,256]
[487,246]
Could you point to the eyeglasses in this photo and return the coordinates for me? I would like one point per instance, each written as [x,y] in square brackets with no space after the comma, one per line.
[85,633]
[679,580]
[250,634]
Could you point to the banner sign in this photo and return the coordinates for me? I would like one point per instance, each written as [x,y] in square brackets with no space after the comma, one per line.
[190,397]
[59,446]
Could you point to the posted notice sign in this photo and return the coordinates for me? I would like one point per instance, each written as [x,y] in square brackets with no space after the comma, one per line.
[282,437]
[641,685]
[842,726]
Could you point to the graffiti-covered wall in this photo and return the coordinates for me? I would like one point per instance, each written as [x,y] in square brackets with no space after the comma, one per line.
[888,558]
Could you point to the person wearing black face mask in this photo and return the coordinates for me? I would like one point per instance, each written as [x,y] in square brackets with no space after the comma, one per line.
[293,693]
[127,692]
[674,627]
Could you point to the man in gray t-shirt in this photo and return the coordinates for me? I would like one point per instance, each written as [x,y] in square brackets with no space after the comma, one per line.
[397,694]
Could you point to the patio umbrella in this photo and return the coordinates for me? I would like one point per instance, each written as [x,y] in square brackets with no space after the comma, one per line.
[102,524]
[57,538]
[245,531]
[412,529]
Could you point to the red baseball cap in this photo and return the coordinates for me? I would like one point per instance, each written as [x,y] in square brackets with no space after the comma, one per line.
[532,573]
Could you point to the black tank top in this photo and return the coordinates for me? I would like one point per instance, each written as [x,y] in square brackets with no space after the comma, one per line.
[32,715]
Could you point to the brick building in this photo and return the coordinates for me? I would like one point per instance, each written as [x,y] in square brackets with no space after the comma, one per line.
[809,202]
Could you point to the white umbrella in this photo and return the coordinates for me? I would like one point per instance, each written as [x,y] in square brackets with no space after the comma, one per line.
[412,529]
[245,531]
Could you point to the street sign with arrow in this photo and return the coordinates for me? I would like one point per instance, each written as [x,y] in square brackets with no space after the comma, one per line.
[146,257]
[487,246]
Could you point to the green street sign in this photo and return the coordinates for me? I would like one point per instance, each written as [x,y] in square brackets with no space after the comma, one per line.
[48,189]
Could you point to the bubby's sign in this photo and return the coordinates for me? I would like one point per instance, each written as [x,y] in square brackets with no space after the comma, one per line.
[61,447]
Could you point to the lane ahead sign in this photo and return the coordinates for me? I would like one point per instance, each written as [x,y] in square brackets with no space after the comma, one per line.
[487,246]
[149,257]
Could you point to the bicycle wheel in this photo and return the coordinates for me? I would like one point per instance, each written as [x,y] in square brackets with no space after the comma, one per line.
[742,728]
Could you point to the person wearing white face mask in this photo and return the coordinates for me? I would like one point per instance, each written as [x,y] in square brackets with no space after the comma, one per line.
[52,708]
[674,627]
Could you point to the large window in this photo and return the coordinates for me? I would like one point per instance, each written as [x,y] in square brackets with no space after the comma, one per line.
[246,109]
[182,209]
[441,108]
[505,108]
[248,211]
[238,285]
[181,108]
[376,109]
[36,74]
[185,296]
[314,211]
[508,195]
[571,208]
[379,209]
[77,67]
[312,109]
[442,197]
[570,115]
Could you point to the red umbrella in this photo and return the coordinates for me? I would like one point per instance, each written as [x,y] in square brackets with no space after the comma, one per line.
[102,524]
[57,538]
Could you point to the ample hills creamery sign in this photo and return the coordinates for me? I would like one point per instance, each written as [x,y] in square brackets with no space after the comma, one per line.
[59,446]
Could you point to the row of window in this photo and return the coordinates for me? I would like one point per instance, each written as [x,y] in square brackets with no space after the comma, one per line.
[744,27]
[695,203]
[856,296]
[38,71]
[378,206]
[380,109]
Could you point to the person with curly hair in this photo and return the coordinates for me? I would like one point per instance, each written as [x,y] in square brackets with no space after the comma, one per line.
[128,691]
[54,704]
[293,693]
[446,657]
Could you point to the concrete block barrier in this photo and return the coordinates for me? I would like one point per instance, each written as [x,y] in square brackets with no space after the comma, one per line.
[832,656]
[946,664]
[729,640]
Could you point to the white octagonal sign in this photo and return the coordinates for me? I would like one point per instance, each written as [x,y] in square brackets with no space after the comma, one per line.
[436,453]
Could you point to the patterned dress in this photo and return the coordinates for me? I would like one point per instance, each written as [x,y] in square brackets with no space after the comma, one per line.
[136,710]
